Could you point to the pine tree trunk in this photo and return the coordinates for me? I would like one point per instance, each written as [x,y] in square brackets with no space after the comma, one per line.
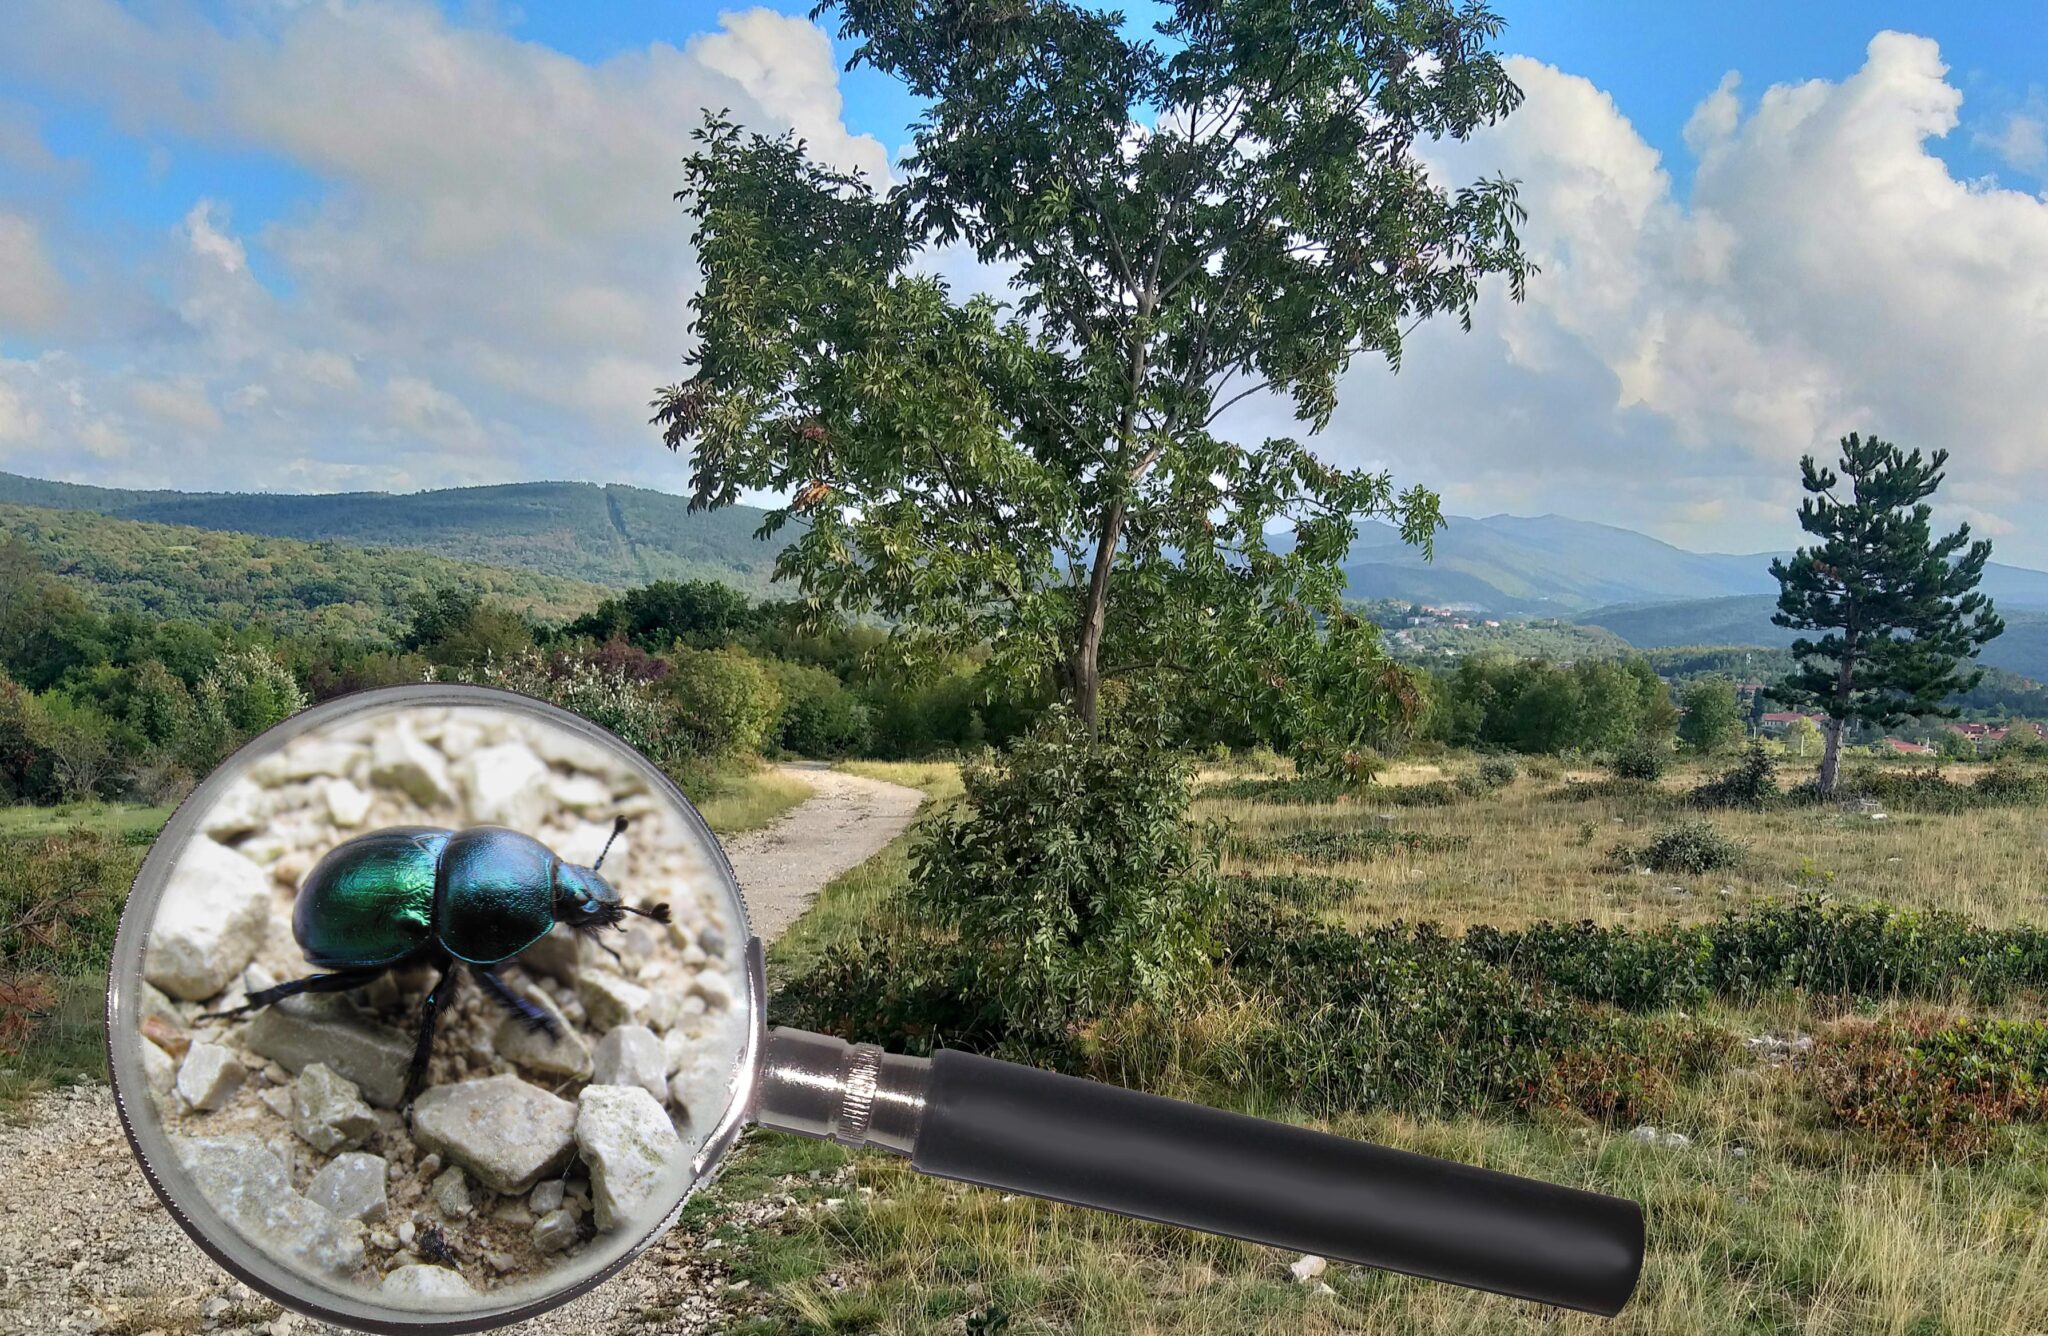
[1831,760]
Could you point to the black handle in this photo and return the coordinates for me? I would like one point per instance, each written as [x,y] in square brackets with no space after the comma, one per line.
[1024,1130]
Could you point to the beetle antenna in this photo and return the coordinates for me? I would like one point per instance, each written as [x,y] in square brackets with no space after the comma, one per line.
[618,829]
[659,913]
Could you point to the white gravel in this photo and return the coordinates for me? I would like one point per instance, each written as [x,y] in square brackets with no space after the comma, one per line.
[86,1247]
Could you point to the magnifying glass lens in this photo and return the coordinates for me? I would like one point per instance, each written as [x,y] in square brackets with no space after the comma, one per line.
[430,1007]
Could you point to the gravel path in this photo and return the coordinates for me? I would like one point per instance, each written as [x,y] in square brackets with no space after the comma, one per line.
[85,1246]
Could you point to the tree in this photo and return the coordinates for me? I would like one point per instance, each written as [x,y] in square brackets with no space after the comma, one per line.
[1227,208]
[1899,608]
[703,614]
[1800,736]
[1713,715]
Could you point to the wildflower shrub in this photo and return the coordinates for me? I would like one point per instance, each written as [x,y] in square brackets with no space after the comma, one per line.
[1934,1085]
[1926,789]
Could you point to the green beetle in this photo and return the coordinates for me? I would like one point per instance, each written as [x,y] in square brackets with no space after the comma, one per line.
[475,897]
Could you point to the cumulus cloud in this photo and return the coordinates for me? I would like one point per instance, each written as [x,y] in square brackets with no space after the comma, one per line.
[1824,272]
[31,290]
[489,280]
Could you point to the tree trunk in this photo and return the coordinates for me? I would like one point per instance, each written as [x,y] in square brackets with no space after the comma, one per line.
[1084,670]
[1831,754]
[1831,759]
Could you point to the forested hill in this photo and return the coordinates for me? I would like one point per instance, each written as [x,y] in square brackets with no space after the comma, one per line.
[612,535]
[252,579]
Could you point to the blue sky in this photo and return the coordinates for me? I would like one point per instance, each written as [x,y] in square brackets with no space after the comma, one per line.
[384,243]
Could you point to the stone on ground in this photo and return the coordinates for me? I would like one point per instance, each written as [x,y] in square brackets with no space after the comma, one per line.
[328,1111]
[351,1187]
[631,1055]
[209,1076]
[566,1053]
[310,1028]
[508,1134]
[248,1185]
[609,1000]
[210,923]
[628,1143]
[431,1285]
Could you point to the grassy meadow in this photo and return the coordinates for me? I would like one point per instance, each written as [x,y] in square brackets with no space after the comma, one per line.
[1768,1212]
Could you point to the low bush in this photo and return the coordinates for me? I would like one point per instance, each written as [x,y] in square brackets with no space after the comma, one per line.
[1333,844]
[820,716]
[1298,791]
[1752,784]
[1641,759]
[1932,1085]
[1691,847]
[1497,772]
[1864,951]
[1926,789]
[1404,1017]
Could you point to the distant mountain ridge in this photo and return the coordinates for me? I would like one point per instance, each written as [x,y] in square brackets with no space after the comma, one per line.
[1552,566]
[611,535]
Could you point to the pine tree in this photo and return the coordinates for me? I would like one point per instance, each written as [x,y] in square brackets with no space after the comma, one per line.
[1898,608]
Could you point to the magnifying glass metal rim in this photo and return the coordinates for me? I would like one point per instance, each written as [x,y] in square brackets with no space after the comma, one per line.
[131,1092]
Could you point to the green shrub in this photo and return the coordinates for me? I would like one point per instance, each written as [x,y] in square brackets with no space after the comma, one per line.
[1636,971]
[1924,1084]
[1690,847]
[1407,1018]
[1071,869]
[608,695]
[724,699]
[2007,785]
[820,717]
[1752,784]
[1641,759]
[1497,772]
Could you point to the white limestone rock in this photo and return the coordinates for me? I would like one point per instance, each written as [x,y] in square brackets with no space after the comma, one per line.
[328,1112]
[352,1187]
[422,1286]
[609,1000]
[399,760]
[210,924]
[631,1055]
[566,1053]
[504,784]
[629,1145]
[347,805]
[209,1076]
[506,1133]
[244,1181]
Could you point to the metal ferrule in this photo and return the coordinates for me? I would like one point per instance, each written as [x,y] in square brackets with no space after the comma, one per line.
[855,1094]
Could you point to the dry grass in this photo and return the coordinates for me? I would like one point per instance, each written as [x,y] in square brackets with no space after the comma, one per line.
[755,799]
[1528,855]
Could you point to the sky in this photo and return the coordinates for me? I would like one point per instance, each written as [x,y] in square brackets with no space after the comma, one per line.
[316,245]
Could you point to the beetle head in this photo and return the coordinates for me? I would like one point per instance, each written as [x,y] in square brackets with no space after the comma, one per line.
[584,899]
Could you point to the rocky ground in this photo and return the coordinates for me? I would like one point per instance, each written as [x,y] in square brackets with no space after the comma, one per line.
[84,1246]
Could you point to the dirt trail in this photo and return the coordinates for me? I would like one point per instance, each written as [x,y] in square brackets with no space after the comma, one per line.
[85,1246]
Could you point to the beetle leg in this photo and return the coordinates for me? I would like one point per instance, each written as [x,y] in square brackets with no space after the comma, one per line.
[423,1047]
[313,983]
[501,992]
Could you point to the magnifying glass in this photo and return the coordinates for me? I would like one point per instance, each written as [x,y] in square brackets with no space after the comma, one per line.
[432,1005]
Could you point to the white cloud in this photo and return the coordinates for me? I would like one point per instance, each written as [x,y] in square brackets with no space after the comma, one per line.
[2022,141]
[493,245]
[175,404]
[31,289]
[1825,272]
